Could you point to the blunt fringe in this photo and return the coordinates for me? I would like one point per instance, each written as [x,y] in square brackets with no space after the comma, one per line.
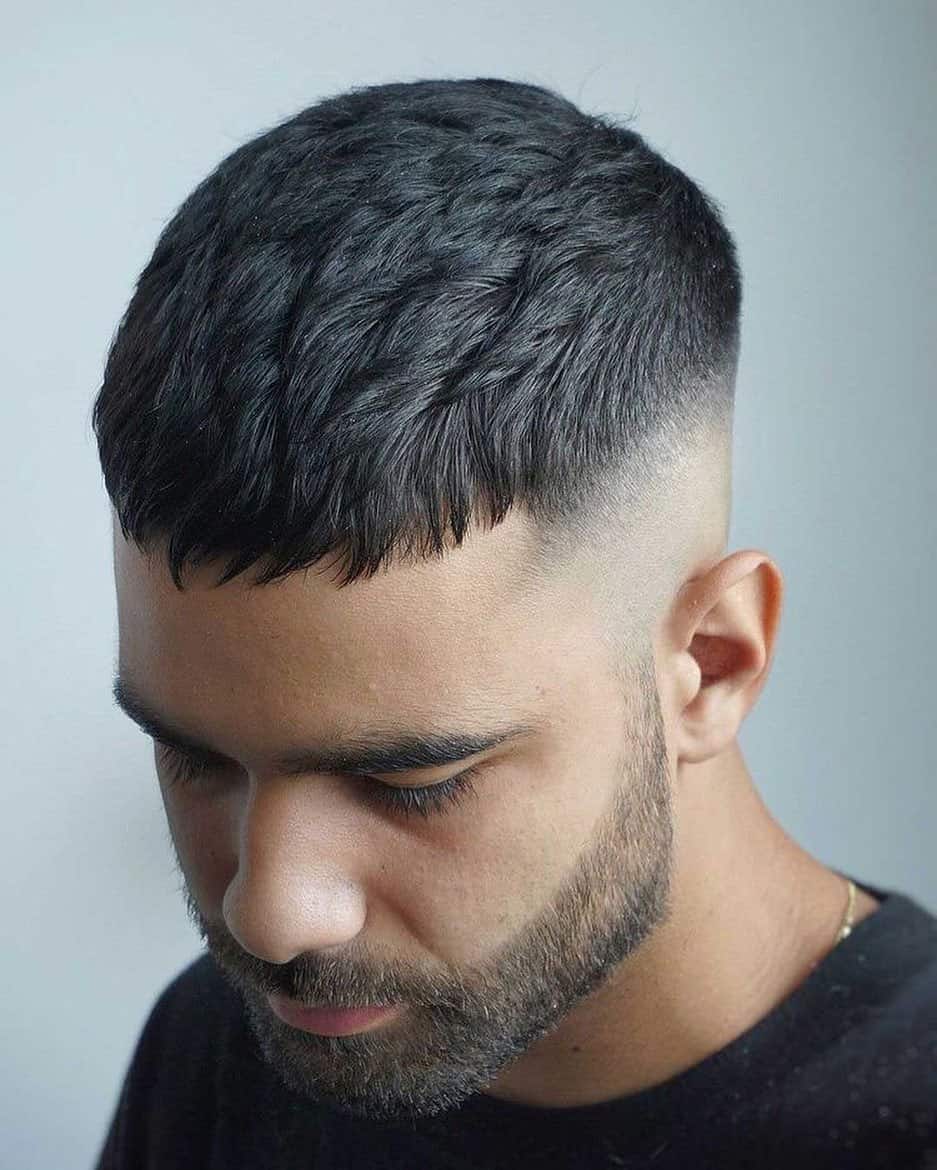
[405,306]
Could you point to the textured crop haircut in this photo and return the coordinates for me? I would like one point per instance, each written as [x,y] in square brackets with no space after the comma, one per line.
[408,306]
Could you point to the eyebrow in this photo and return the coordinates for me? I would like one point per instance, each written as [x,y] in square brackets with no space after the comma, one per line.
[361,755]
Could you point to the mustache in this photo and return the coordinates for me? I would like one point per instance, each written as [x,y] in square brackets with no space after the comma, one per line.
[327,981]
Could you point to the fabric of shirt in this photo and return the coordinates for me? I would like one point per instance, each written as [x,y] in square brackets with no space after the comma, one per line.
[842,1074]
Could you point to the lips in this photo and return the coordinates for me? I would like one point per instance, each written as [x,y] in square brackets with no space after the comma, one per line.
[325,1021]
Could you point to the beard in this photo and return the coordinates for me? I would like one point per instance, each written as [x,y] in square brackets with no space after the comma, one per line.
[460,1026]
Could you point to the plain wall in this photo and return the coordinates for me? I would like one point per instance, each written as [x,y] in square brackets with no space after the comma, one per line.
[813,124]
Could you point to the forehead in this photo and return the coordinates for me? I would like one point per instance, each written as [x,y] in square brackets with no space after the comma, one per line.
[464,632]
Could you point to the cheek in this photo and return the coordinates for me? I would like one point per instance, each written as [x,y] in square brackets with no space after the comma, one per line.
[482,874]
[204,835]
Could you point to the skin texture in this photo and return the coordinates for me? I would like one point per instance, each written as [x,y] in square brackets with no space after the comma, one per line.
[614,902]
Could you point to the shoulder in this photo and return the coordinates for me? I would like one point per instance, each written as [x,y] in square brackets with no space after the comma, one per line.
[192,1015]
[877,1081]
[193,1045]
[198,994]
[888,977]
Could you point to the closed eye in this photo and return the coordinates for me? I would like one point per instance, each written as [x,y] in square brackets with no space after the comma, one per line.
[189,771]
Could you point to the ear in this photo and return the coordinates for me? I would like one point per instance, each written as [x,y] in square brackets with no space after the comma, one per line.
[722,631]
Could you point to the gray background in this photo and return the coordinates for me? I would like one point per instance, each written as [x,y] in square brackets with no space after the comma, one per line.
[812,123]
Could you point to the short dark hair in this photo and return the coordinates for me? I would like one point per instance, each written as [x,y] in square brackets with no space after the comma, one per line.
[405,305]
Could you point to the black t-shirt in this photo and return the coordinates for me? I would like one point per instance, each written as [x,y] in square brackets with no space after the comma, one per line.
[842,1074]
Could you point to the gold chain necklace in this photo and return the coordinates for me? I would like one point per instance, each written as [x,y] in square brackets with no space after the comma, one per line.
[846,929]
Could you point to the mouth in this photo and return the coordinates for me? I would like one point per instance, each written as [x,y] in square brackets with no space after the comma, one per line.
[328,1021]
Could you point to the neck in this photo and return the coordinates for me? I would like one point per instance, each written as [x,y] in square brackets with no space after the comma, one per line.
[752,915]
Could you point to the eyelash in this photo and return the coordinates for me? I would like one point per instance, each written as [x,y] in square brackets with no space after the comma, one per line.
[424,802]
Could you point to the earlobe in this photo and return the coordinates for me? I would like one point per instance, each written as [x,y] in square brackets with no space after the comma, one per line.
[726,621]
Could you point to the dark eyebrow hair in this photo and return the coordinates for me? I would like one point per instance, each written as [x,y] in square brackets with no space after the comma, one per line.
[361,755]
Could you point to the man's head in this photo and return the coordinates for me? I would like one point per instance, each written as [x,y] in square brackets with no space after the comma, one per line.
[481,346]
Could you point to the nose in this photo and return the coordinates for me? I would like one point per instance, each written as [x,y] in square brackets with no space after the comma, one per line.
[294,889]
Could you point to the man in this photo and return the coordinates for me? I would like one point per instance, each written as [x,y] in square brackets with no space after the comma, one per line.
[418,435]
